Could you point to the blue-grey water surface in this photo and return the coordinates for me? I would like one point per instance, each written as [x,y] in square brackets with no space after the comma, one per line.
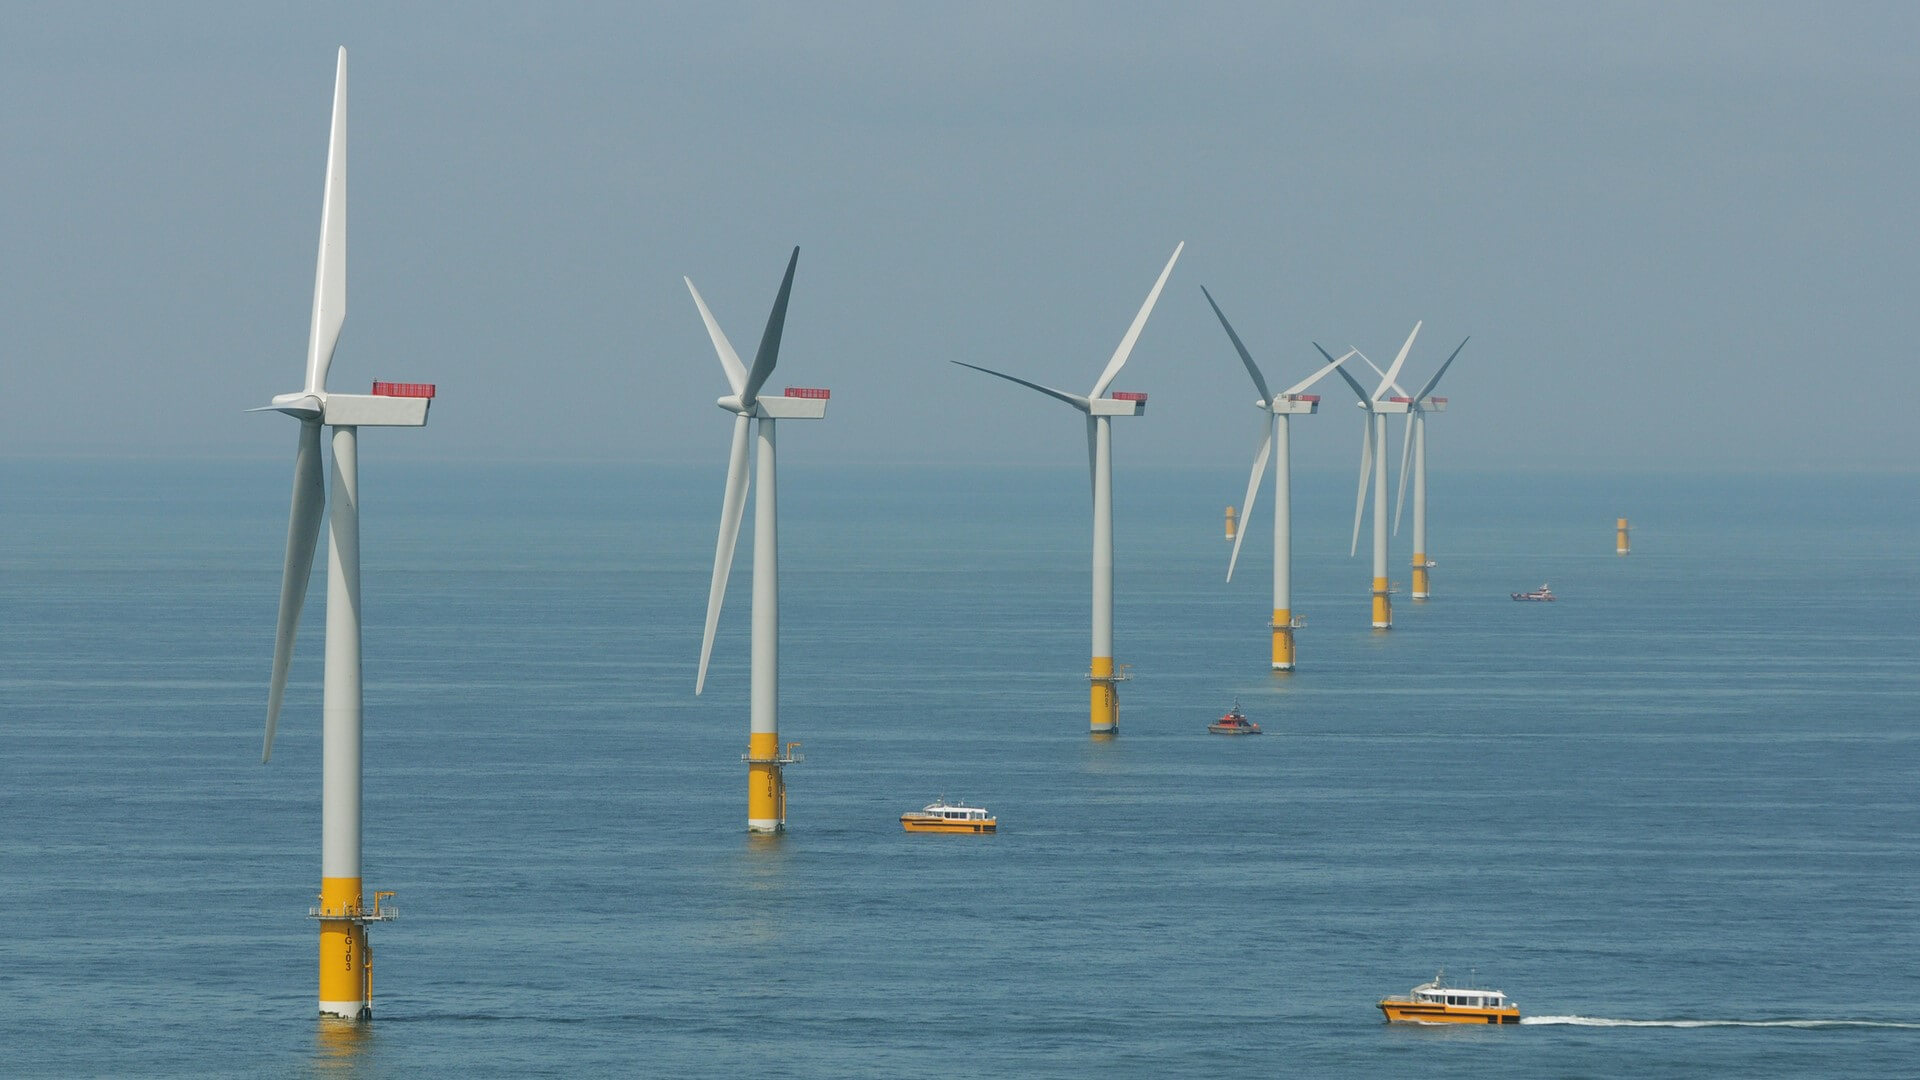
[1684,793]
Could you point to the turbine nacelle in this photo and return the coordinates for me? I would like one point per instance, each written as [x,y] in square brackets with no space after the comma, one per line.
[777,407]
[1291,404]
[357,410]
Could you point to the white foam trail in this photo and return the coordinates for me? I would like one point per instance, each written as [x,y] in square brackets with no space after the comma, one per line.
[1601,1021]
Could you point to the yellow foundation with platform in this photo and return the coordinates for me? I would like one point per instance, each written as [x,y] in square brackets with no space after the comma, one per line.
[346,952]
[1282,639]
[1103,698]
[766,783]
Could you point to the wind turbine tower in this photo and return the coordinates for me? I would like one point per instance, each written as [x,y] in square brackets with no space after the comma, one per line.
[1102,675]
[766,759]
[1275,439]
[1373,464]
[346,956]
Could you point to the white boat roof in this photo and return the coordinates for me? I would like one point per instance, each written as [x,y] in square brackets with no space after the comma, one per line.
[939,805]
[1436,988]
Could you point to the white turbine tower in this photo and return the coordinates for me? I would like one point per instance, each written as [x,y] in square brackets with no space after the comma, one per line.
[766,760]
[1275,440]
[1104,699]
[1373,463]
[1414,443]
[346,970]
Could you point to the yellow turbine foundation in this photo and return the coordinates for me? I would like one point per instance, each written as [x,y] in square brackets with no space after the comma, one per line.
[1282,639]
[1104,700]
[766,784]
[346,966]
[1419,575]
[1229,522]
[1382,605]
[1620,544]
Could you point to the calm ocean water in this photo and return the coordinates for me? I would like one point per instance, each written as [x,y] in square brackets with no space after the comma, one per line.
[1675,810]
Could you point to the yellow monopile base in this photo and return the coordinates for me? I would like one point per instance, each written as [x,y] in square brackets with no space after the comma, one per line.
[1104,700]
[1282,639]
[346,970]
[1420,575]
[766,785]
[1229,522]
[1382,605]
[1620,544]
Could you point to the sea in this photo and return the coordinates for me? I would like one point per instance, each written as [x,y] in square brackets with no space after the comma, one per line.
[1675,814]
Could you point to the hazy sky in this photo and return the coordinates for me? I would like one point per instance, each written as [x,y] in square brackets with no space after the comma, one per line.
[1682,236]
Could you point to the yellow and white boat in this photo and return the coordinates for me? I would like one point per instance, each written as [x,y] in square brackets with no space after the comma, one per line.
[942,816]
[1437,1003]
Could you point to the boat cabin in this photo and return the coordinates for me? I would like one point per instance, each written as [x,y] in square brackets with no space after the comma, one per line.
[1472,999]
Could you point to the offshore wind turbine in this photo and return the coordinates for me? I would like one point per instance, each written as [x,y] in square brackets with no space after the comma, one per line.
[1274,441]
[1414,443]
[346,957]
[1104,677]
[1373,463]
[766,760]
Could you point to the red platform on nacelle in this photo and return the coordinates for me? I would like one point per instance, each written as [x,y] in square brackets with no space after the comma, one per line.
[814,393]
[402,389]
[1128,395]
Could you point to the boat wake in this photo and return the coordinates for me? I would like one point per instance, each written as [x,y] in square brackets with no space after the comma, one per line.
[1601,1021]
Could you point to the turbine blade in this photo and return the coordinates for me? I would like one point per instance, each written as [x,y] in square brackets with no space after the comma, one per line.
[303,535]
[1074,400]
[1395,369]
[1133,332]
[1366,471]
[1406,449]
[1326,370]
[769,353]
[732,505]
[729,360]
[1093,453]
[1245,357]
[330,269]
[1253,490]
[1359,390]
[1378,373]
[1435,381]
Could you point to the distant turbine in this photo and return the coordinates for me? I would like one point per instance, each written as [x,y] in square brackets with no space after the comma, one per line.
[1274,440]
[766,761]
[1373,462]
[1414,442]
[1104,699]
[346,968]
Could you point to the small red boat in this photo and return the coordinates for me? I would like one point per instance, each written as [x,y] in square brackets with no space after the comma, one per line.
[1234,723]
[1541,593]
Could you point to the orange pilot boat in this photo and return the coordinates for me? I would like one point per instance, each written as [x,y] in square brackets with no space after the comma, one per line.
[1437,1003]
[1234,723]
[942,816]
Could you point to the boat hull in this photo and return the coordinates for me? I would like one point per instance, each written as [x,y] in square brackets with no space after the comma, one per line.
[1423,1012]
[912,824]
[1234,729]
